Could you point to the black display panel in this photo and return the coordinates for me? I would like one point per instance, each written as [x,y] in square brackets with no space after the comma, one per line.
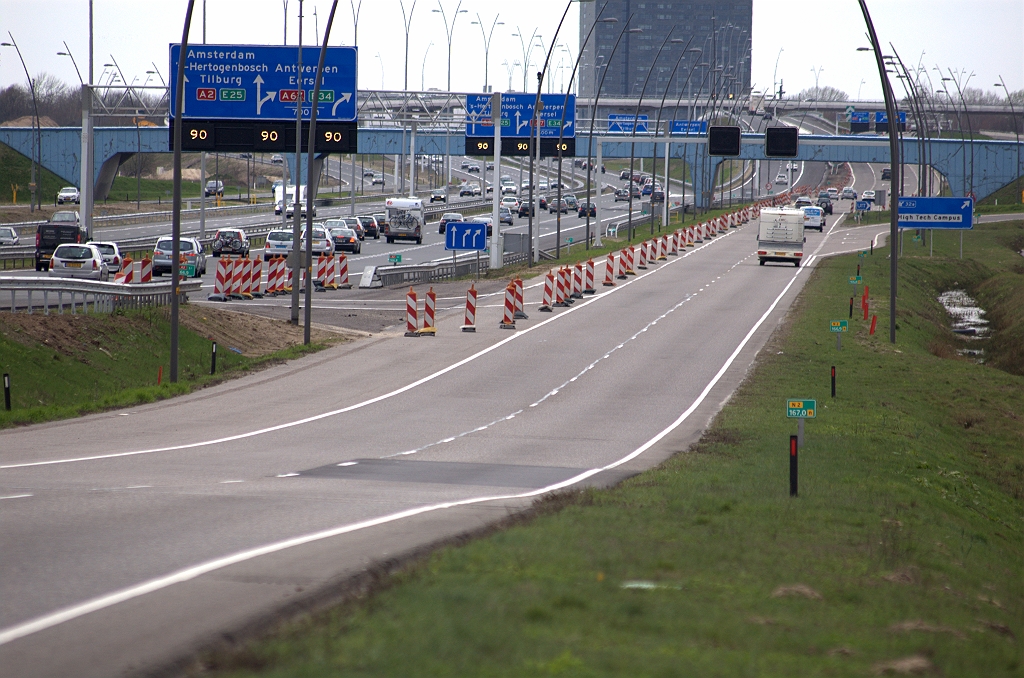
[246,136]
[723,140]
[781,142]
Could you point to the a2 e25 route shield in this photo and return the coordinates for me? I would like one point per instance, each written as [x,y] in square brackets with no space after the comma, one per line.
[262,82]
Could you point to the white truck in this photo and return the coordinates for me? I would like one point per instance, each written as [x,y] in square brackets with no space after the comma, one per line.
[405,220]
[780,235]
[284,200]
[814,217]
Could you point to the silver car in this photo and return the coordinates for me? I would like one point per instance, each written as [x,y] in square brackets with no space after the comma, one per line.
[189,248]
[322,241]
[72,260]
[279,243]
[111,254]
[8,236]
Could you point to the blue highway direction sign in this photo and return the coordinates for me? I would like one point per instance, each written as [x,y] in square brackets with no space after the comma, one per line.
[689,126]
[862,206]
[517,113]
[261,82]
[622,123]
[465,235]
[945,213]
[881,117]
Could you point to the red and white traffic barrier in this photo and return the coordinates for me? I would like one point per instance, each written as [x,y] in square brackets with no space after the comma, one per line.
[470,324]
[642,263]
[630,258]
[577,281]
[237,272]
[221,280]
[412,314]
[256,278]
[341,280]
[429,304]
[560,291]
[588,282]
[549,291]
[609,271]
[275,275]
[145,272]
[508,320]
[127,273]
[330,279]
[520,310]
[245,280]
[674,251]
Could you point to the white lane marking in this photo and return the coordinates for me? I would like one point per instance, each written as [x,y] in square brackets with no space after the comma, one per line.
[16,496]
[138,487]
[377,399]
[226,482]
[287,475]
[101,602]
[347,463]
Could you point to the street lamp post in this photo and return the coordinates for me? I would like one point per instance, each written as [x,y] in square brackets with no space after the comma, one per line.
[593,118]
[449,31]
[487,45]
[407,24]
[423,68]
[526,52]
[657,126]
[817,92]
[37,142]
[894,165]
[561,130]
[1013,114]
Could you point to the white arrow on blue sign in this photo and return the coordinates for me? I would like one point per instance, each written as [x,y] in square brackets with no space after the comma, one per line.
[465,235]
[623,123]
[261,82]
[936,213]
[516,114]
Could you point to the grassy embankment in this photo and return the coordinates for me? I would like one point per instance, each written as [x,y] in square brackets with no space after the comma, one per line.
[65,366]
[902,554]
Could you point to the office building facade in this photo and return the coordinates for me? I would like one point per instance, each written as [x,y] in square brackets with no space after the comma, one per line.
[721,32]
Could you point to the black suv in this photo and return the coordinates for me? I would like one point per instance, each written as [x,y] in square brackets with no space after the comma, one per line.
[63,227]
[825,203]
[886,174]
[370,226]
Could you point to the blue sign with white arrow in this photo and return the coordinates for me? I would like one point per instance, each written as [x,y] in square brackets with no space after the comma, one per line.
[860,117]
[689,127]
[465,235]
[517,114]
[862,206]
[620,122]
[261,82]
[944,213]
[881,117]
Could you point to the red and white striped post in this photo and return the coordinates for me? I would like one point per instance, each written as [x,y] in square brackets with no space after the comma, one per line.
[609,271]
[330,278]
[577,281]
[560,299]
[470,324]
[663,248]
[429,305]
[412,314]
[237,272]
[221,281]
[588,284]
[520,310]
[549,288]
[256,289]
[342,280]
[508,320]
[642,263]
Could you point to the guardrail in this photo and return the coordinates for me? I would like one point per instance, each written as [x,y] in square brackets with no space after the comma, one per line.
[107,297]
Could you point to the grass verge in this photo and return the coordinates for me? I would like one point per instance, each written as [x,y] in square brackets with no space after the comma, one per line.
[63,366]
[902,554]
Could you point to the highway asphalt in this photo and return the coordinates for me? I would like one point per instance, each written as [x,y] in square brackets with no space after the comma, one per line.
[132,538]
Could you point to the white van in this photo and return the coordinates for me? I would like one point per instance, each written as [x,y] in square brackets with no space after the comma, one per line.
[284,200]
[780,235]
[405,220]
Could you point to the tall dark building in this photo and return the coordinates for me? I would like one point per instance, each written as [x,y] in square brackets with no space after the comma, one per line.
[720,30]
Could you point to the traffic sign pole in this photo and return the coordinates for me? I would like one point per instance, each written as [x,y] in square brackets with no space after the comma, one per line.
[497,242]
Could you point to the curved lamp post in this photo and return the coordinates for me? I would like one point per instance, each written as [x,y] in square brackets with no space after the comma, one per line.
[487,45]
[1013,113]
[37,142]
[407,24]
[449,31]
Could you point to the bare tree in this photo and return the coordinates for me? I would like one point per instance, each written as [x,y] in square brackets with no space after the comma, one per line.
[823,93]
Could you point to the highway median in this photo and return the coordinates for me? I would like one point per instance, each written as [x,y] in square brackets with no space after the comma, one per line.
[901,553]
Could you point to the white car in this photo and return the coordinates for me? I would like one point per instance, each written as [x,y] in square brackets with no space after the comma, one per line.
[279,243]
[111,254]
[868,196]
[322,241]
[781,179]
[8,236]
[69,194]
[510,202]
[377,179]
[72,260]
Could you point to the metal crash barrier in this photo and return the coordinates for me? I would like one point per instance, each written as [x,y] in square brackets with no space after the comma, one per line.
[105,297]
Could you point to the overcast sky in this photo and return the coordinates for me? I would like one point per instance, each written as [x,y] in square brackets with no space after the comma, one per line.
[985,37]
